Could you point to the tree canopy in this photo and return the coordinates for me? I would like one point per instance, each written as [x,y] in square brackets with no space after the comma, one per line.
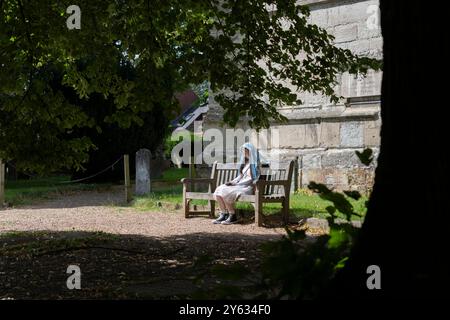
[251,52]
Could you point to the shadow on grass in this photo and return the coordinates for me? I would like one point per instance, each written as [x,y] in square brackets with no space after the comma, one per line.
[34,264]
[41,191]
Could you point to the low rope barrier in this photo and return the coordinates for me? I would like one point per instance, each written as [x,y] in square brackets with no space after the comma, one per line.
[13,166]
[74,181]
[94,175]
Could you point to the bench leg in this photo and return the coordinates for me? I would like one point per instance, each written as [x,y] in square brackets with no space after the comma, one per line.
[258,214]
[212,209]
[186,208]
[185,202]
[285,211]
[258,208]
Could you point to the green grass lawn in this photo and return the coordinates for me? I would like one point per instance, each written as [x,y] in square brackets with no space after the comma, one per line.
[166,195]
[21,192]
[303,204]
[174,175]
[27,191]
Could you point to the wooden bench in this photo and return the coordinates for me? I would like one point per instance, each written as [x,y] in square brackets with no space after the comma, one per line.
[274,185]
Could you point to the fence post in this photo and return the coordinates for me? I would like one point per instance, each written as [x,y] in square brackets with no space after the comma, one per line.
[126,167]
[2,183]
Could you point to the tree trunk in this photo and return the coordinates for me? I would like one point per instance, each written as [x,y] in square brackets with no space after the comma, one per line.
[406,228]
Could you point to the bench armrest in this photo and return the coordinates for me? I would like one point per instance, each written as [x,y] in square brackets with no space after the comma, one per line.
[263,183]
[197,180]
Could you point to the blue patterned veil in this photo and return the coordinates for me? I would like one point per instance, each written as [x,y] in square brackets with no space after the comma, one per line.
[254,159]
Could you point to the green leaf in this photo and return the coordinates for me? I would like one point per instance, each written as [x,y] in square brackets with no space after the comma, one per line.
[365,157]
[353,194]
[341,264]
[337,238]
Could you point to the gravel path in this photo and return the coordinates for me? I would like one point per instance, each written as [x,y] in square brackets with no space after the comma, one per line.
[152,254]
[104,211]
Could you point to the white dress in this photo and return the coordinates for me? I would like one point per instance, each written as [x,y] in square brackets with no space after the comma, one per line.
[242,184]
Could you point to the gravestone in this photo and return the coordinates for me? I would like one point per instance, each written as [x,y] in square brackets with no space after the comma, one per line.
[143,183]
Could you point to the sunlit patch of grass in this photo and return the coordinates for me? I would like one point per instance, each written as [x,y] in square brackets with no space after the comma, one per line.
[303,204]
[174,174]
[308,205]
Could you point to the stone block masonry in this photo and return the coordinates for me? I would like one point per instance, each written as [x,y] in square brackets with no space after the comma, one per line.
[323,137]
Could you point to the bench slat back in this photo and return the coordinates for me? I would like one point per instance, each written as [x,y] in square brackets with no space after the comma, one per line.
[224,172]
[275,175]
[278,171]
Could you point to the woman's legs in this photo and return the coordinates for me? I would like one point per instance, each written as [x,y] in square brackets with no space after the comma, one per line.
[221,203]
[232,218]
[223,214]
[225,206]
[230,207]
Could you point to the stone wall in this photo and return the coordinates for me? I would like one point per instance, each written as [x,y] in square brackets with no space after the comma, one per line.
[323,137]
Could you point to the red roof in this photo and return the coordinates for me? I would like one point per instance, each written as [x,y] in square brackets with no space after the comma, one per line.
[186,99]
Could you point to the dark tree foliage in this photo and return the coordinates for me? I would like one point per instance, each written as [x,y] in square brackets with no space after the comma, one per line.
[110,139]
[252,53]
